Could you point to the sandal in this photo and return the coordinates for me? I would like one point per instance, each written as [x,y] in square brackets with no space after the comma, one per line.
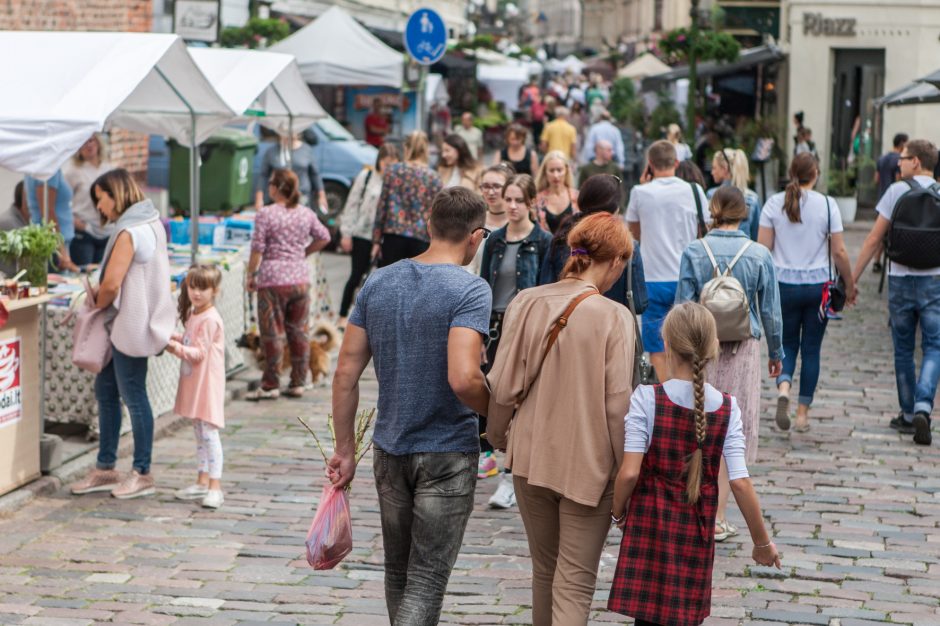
[802,428]
[783,412]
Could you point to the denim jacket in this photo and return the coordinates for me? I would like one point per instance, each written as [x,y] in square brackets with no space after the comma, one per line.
[528,261]
[750,224]
[755,271]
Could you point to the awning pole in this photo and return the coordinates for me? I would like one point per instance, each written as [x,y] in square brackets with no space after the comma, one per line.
[289,155]
[45,201]
[193,169]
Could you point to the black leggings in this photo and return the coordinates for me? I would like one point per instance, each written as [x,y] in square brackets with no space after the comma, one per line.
[361,256]
[397,247]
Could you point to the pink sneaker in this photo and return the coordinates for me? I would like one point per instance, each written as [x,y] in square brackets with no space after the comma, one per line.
[134,486]
[97,480]
[486,466]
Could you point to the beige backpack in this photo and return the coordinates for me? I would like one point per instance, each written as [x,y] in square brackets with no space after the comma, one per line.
[725,298]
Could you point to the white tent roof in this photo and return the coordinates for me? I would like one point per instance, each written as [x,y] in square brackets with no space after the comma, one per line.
[643,66]
[335,49]
[256,82]
[569,63]
[68,85]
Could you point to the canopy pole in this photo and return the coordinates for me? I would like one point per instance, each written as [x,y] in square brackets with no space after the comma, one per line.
[193,169]
[289,153]
[45,201]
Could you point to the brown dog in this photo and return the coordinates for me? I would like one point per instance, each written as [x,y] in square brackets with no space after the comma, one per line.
[323,339]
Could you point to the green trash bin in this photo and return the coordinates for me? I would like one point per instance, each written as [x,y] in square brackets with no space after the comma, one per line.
[226,175]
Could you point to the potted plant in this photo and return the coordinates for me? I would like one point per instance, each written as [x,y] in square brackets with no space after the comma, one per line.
[841,186]
[32,248]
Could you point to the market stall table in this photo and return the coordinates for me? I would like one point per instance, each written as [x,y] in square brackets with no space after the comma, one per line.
[20,418]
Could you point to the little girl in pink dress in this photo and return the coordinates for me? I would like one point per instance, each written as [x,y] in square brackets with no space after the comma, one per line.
[201,392]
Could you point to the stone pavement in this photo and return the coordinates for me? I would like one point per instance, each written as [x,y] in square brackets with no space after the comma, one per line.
[854,509]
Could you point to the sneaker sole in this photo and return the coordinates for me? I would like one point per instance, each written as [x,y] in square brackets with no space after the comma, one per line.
[137,494]
[922,434]
[500,506]
[907,429]
[81,492]
[209,506]
[190,497]
[783,413]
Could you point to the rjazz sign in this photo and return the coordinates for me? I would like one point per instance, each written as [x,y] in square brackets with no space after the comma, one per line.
[817,25]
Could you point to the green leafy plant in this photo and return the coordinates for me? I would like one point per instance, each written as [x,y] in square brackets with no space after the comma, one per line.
[709,45]
[494,116]
[841,178]
[31,247]
[257,33]
[624,105]
[662,116]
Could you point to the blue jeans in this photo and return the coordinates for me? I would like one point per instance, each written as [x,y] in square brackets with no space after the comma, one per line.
[425,500]
[802,334]
[914,300]
[124,378]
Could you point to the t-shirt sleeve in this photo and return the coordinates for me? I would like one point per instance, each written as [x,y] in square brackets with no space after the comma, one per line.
[767,213]
[638,423]
[473,309]
[734,444]
[318,231]
[633,210]
[885,206]
[358,316]
[835,216]
[259,234]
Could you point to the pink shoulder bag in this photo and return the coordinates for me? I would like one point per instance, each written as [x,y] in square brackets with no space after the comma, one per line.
[91,335]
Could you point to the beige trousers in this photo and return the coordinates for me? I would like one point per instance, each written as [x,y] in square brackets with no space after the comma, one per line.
[565,541]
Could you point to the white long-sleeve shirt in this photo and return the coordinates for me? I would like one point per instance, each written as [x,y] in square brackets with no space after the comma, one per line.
[638,424]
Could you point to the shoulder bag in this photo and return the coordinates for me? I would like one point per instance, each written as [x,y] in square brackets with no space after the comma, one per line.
[560,323]
[833,295]
[91,334]
[642,368]
[702,228]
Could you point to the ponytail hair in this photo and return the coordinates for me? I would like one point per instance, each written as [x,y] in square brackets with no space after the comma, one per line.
[200,277]
[599,237]
[692,337]
[803,170]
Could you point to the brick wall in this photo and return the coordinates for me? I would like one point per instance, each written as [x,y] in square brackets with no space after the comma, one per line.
[128,149]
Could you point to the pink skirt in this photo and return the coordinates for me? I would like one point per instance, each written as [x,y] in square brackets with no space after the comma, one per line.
[737,372]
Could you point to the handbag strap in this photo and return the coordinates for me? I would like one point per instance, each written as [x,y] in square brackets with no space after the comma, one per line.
[829,237]
[702,228]
[559,324]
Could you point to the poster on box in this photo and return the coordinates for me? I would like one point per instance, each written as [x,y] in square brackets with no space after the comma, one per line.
[11,391]
[400,106]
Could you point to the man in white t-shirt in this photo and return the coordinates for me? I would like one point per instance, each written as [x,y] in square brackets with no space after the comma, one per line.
[472,135]
[913,299]
[665,214]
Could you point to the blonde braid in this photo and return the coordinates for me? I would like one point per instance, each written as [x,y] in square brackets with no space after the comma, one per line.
[694,465]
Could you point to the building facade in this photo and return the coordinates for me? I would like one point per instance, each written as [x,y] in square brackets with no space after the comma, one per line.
[384,15]
[636,23]
[844,54]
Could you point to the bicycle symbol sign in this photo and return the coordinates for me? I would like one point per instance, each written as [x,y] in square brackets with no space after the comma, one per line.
[425,36]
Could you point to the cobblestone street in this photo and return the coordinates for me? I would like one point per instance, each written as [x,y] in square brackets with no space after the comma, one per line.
[854,509]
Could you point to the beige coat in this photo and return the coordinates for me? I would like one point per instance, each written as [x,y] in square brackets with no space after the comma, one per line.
[568,434]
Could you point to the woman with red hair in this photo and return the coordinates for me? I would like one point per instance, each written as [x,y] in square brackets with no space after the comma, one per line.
[560,417]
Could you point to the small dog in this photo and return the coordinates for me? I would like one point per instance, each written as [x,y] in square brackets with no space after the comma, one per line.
[323,339]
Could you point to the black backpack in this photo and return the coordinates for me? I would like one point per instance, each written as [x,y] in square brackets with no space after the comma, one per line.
[913,238]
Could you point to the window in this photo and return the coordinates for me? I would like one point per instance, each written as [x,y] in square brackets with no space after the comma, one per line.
[657,15]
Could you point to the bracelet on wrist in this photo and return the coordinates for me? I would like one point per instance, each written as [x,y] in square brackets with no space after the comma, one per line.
[616,520]
[766,545]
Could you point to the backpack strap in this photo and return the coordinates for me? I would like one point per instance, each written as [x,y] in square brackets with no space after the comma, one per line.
[711,257]
[912,183]
[737,256]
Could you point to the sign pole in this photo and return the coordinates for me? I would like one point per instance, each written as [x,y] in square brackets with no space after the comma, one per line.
[426,42]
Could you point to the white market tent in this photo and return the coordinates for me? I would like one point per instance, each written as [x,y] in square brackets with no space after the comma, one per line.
[266,86]
[643,66]
[71,84]
[570,63]
[335,49]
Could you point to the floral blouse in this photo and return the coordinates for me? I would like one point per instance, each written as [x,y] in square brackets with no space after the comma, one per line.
[405,203]
[281,236]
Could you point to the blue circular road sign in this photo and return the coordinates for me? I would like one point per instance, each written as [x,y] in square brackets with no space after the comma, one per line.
[426,36]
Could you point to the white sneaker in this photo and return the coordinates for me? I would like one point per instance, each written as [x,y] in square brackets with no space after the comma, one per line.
[505,496]
[193,492]
[213,499]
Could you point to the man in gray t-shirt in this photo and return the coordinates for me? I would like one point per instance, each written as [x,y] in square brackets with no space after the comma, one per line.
[422,320]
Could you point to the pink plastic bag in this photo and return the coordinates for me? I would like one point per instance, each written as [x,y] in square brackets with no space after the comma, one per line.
[329,539]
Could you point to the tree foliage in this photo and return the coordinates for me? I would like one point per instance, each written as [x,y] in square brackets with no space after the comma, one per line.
[709,45]
[625,107]
[257,33]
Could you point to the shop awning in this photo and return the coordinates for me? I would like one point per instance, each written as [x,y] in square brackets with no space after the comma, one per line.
[933,78]
[761,55]
[911,93]
[64,86]
[335,49]
[263,85]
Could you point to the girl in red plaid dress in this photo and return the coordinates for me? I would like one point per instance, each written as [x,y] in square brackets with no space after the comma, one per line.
[676,435]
